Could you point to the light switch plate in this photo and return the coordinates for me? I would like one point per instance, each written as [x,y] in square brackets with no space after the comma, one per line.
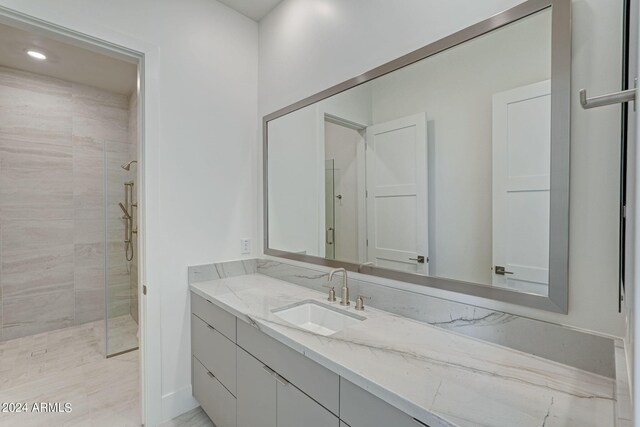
[245,246]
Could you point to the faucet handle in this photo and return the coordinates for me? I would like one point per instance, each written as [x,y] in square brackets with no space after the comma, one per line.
[332,292]
[360,302]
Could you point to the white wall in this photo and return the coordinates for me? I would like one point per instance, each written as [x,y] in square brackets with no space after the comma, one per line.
[353,105]
[203,176]
[297,176]
[309,45]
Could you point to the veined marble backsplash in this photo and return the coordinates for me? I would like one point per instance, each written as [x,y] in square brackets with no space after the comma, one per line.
[220,270]
[592,353]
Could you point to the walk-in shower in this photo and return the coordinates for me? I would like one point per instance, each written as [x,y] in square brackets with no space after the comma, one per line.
[69,231]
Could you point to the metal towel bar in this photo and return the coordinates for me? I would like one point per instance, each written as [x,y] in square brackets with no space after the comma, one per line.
[612,98]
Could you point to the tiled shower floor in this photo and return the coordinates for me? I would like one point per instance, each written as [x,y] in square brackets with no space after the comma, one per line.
[67,366]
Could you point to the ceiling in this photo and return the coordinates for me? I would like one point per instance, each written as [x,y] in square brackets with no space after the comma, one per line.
[65,61]
[254,9]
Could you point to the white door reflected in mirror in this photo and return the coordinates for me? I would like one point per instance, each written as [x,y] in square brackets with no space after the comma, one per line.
[521,187]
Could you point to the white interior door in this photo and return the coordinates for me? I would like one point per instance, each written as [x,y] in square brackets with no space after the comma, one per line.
[396,174]
[521,169]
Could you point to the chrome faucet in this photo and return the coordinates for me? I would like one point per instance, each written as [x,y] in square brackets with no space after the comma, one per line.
[345,288]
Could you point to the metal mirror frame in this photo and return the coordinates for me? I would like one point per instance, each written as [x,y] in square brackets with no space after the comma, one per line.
[557,299]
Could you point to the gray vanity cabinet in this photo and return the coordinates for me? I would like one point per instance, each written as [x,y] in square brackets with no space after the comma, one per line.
[222,321]
[213,365]
[296,409]
[256,392]
[321,384]
[360,408]
[215,352]
[266,399]
[215,399]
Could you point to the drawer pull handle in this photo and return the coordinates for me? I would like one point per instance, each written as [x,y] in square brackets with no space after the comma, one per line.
[420,423]
[269,370]
[281,380]
[211,375]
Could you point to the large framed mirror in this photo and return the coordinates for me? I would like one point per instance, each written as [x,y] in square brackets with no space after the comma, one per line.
[447,167]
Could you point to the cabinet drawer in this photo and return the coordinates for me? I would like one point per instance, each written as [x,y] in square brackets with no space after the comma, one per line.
[315,380]
[214,351]
[256,392]
[296,409]
[359,408]
[216,401]
[224,322]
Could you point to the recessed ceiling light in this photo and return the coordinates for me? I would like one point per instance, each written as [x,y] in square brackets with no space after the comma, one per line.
[37,55]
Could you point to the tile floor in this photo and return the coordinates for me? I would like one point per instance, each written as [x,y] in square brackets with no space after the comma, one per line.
[123,334]
[193,418]
[67,365]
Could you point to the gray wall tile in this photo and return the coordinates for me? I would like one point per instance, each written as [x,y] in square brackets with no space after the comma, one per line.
[88,178]
[40,192]
[89,305]
[37,257]
[33,314]
[34,109]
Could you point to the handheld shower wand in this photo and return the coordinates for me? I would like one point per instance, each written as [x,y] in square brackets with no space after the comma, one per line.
[126,213]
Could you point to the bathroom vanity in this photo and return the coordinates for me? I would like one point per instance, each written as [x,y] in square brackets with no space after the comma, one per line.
[253,368]
[446,168]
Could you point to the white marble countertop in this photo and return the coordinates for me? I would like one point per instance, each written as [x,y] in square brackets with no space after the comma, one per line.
[437,376]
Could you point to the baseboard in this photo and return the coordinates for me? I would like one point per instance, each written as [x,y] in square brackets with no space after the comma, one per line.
[177,403]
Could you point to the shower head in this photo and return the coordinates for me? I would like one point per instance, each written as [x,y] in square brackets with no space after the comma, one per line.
[127,166]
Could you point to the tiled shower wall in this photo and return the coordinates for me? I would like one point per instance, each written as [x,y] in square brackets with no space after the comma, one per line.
[53,139]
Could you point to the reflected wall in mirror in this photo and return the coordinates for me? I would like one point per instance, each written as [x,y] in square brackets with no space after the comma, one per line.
[440,168]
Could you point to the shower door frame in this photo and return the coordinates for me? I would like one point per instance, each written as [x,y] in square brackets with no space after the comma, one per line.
[78,31]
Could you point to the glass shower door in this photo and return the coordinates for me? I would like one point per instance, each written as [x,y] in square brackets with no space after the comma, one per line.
[121,256]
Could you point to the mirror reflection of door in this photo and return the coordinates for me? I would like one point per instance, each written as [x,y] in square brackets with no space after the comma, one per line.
[521,187]
[342,199]
[397,214]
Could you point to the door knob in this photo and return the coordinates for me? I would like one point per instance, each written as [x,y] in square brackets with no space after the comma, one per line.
[501,270]
[420,259]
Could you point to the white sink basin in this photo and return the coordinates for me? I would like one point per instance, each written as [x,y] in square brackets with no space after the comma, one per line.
[318,318]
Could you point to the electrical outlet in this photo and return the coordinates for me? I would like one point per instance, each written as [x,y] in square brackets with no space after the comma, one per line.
[245,246]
